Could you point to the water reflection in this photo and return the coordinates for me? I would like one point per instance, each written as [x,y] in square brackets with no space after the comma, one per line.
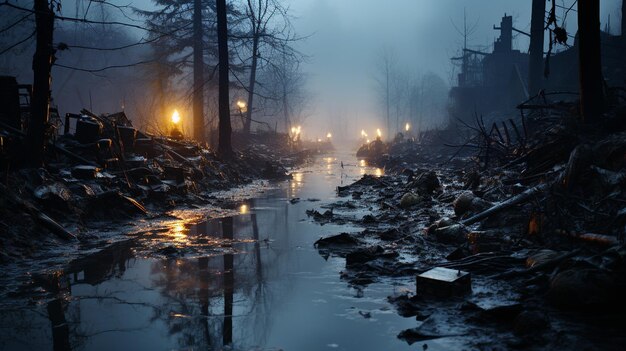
[252,281]
[364,169]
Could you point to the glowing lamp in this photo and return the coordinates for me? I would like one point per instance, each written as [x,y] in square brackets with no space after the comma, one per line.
[175,117]
[407,127]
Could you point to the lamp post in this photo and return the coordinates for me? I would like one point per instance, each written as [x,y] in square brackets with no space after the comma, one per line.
[243,108]
[176,131]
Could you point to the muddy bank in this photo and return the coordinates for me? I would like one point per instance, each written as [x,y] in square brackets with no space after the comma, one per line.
[537,221]
[109,181]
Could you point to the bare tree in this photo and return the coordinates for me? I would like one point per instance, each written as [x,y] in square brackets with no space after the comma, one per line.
[269,30]
[590,63]
[623,18]
[536,46]
[198,73]
[224,146]
[281,87]
[386,65]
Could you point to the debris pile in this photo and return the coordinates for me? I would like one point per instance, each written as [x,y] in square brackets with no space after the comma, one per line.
[105,169]
[540,210]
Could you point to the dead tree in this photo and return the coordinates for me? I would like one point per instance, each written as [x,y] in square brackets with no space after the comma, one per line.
[535,66]
[198,73]
[42,64]
[623,18]
[590,63]
[224,146]
[270,31]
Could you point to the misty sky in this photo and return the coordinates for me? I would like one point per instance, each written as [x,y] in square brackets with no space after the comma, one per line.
[347,36]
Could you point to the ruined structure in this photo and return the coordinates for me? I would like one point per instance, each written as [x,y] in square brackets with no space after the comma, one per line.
[498,81]
[491,81]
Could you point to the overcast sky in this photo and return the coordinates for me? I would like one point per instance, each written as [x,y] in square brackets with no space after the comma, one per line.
[347,35]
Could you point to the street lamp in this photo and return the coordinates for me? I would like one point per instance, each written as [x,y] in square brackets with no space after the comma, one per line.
[242,106]
[176,132]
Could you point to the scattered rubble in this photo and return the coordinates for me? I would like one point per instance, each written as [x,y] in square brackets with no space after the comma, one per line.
[542,210]
[107,170]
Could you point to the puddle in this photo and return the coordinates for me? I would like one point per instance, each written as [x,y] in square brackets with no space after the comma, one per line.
[252,281]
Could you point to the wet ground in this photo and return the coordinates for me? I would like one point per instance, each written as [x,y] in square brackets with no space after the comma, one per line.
[252,281]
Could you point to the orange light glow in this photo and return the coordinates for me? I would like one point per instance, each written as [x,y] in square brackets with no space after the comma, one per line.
[175,117]
[379,133]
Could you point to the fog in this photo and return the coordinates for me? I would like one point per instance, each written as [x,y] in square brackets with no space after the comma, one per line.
[349,34]
[344,43]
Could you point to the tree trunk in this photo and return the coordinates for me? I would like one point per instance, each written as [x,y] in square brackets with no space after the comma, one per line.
[198,73]
[286,110]
[224,146]
[535,65]
[623,18]
[42,64]
[590,65]
[255,53]
[387,101]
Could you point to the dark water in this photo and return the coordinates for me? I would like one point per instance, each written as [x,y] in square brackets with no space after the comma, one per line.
[247,282]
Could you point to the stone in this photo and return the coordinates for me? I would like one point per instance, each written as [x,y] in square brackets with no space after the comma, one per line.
[409,199]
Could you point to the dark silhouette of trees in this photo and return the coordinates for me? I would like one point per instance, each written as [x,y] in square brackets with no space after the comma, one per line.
[224,146]
[590,63]
[42,65]
[184,35]
[198,73]
[535,78]
[269,36]
[623,18]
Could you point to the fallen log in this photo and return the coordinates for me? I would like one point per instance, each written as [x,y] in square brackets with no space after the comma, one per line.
[549,264]
[38,215]
[601,239]
[515,200]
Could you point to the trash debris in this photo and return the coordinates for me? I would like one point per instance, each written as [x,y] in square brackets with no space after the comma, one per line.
[444,282]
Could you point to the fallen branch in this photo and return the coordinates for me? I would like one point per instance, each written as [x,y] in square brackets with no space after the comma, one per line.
[515,200]
[540,267]
[38,215]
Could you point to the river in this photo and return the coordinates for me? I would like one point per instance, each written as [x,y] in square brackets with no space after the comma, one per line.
[252,281]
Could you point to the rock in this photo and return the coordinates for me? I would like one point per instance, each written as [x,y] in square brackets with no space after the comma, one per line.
[409,199]
[426,183]
[468,202]
[363,255]
[339,240]
[455,233]
[582,288]
[448,232]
